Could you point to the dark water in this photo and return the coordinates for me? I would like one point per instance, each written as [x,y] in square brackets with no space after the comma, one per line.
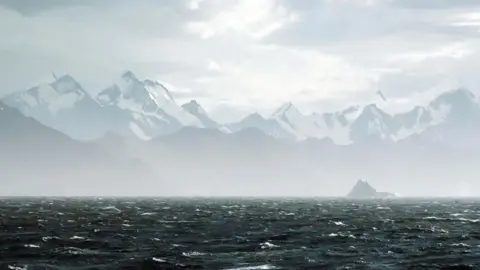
[238,234]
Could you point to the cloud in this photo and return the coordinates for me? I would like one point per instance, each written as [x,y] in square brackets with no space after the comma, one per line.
[249,54]
[455,51]
[256,18]
[437,4]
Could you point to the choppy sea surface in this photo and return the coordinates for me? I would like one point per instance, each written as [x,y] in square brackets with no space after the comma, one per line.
[159,233]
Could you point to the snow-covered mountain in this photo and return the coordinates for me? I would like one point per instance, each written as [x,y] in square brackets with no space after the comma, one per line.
[455,119]
[146,109]
[287,122]
[148,105]
[63,105]
[292,120]
[268,126]
[336,125]
[195,109]
[129,106]
[448,118]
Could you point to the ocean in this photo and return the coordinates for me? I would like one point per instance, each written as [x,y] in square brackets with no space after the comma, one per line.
[238,233]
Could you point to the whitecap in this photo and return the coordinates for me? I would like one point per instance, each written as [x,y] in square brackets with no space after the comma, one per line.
[434,218]
[12,267]
[268,245]
[113,208]
[192,254]
[460,245]
[259,267]
[469,220]
[47,238]
[339,223]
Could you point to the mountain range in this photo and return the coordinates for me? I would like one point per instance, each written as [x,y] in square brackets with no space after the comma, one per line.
[146,109]
[134,138]
[130,107]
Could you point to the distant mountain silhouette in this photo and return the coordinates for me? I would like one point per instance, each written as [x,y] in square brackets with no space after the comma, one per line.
[36,160]
[363,190]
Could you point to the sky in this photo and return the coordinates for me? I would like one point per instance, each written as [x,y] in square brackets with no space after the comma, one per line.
[239,56]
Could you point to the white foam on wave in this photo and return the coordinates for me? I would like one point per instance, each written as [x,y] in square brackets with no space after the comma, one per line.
[265,266]
[16,267]
[268,245]
[112,208]
[339,223]
[193,254]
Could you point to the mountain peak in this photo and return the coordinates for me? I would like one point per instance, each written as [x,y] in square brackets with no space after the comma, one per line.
[286,107]
[193,107]
[129,75]
[362,190]
[458,96]
[67,84]
[193,102]
[66,78]
[373,110]
[158,88]
[372,107]
[253,116]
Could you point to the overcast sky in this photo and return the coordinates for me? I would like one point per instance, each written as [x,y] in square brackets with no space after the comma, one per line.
[249,54]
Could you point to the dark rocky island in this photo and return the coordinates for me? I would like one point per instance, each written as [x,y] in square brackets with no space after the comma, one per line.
[363,190]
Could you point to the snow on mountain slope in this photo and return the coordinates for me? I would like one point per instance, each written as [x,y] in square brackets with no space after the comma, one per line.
[147,109]
[195,109]
[371,124]
[61,94]
[148,98]
[458,106]
[449,116]
[143,108]
[456,119]
[292,120]
[334,126]
[63,105]
[411,122]
[288,122]
[268,126]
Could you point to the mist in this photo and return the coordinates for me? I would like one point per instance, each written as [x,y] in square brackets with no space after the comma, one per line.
[205,162]
[239,98]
